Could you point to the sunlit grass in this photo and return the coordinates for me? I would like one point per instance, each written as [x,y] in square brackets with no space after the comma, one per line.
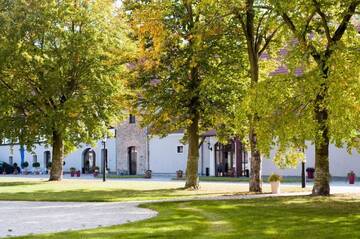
[280,218]
[110,191]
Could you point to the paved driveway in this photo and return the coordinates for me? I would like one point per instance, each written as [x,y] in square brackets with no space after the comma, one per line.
[22,218]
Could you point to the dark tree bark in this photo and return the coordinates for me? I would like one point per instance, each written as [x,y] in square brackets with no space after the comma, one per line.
[322,171]
[255,184]
[192,178]
[56,172]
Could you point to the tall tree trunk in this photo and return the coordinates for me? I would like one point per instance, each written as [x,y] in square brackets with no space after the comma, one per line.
[56,172]
[322,172]
[255,184]
[192,178]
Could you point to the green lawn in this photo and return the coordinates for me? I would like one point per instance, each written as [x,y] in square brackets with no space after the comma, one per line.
[280,218]
[78,190]
[242,179]
[121,176]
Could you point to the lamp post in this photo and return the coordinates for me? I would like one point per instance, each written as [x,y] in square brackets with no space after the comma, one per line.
[303,179]
[104,159]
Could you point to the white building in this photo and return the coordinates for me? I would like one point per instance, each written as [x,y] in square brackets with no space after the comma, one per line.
[133,151]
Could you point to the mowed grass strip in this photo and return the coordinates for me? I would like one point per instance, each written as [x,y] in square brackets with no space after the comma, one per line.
[25,189]
[269,218]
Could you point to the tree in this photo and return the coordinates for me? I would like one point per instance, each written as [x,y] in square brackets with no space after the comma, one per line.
[60,72]
[183,75]
[259,25]
[321,103]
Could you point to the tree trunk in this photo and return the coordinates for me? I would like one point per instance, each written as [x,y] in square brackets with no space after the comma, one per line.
[322,174]
[56,173]
[192,178]
[255,184]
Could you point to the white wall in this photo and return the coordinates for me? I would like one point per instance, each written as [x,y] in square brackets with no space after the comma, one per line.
[14,151]
[341,162]
[164,158]
[74,159]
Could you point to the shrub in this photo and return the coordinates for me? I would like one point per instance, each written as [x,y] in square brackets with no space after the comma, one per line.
[275,178]
[25,164]
[72,169]
[310,170]
[36,165]
[49,164]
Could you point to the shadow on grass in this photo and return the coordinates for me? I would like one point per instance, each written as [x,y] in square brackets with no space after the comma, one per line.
[110,195]
[304,217]
[12,184]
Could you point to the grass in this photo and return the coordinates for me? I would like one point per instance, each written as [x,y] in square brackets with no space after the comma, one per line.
[280,218]
[113,190]
[121,176]
[242,179]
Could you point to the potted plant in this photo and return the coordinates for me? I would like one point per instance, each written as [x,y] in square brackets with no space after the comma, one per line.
[36,165]
[72,171]
[179,174]
[78,173]
[351,177]
[16,169]
[96,171]
[25,165]
[148,173]
[310,172]
[274,180]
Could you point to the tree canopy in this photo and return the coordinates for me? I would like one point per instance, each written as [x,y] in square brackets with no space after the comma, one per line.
[61,71]
[185,76]
[317,97]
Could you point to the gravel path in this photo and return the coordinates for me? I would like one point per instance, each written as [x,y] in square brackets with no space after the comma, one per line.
[23,218]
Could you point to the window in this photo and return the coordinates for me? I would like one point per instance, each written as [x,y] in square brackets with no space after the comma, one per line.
[132,119]
[34,158]
[180,149]
[11,160]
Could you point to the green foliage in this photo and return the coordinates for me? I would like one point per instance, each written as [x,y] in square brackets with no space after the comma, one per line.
[25,164]
[61,69]
[322,41]
[36,165]
[275,178]
[186,65]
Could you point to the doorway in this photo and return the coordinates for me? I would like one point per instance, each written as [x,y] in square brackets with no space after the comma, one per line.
[89,161]
[132,157]
[224,160]
[47,158]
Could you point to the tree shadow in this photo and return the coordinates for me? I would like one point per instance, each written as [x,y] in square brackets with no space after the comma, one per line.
[301,217]
[20,183]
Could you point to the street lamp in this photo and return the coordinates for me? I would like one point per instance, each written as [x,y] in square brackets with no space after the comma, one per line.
[104,158]
[303,179]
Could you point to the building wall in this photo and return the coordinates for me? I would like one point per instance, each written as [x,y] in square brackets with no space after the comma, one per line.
[341,162]
[164,158]
[131,135]
[74,159]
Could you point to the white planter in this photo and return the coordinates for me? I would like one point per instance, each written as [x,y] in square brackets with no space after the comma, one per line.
[275,187]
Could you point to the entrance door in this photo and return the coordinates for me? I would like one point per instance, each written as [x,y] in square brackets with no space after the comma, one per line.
[89,161]
[224,160]
[47,158]
[132,156]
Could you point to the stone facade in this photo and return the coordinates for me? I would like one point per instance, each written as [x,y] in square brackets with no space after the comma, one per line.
[131,135]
